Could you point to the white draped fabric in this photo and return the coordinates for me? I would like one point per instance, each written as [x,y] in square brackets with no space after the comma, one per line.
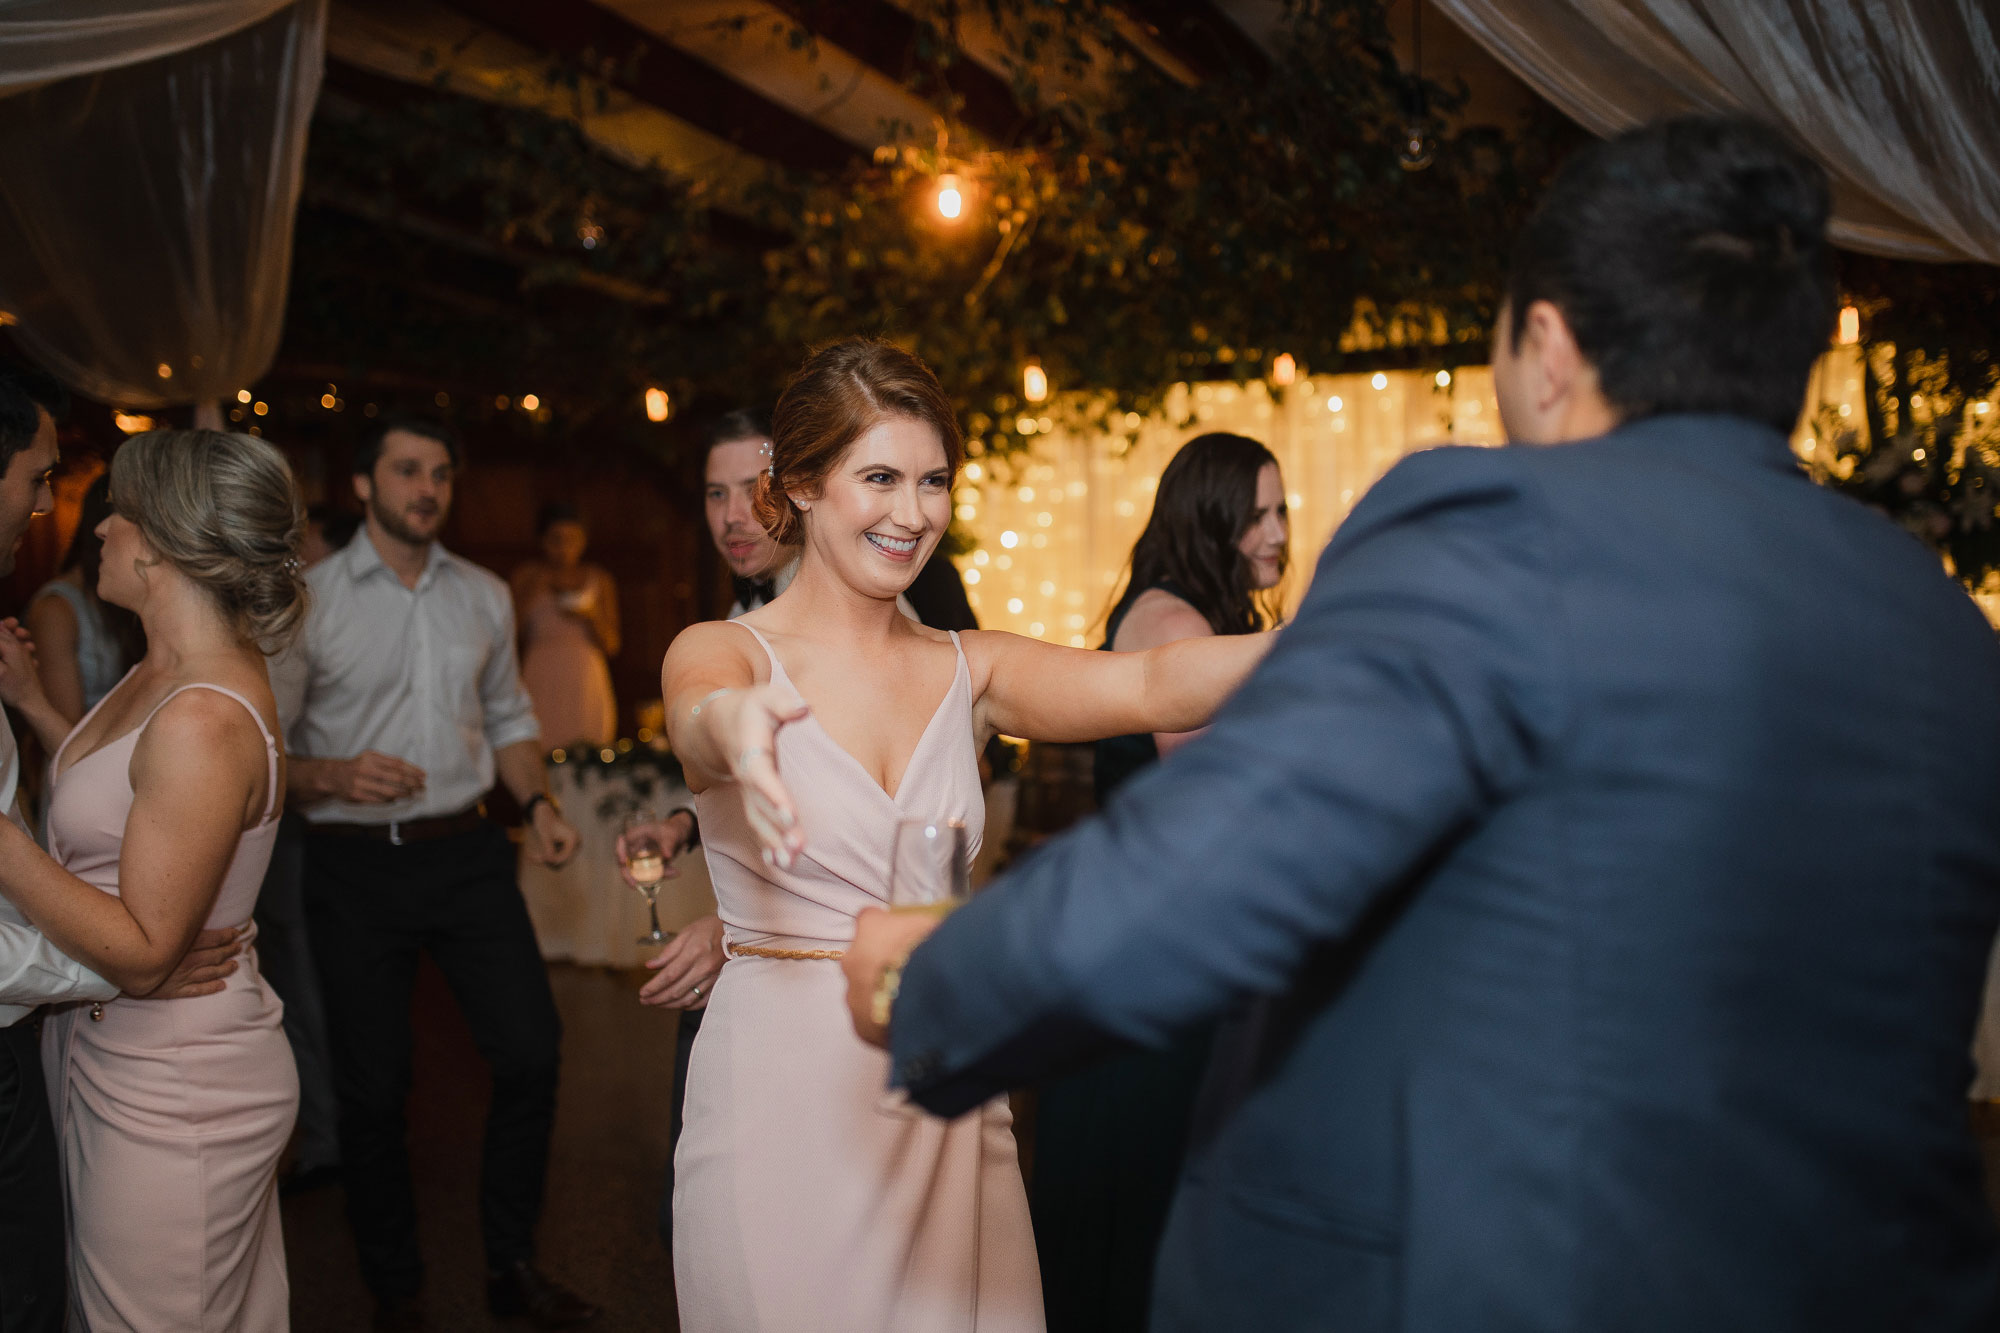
[151,157]
[45,40]
[1897,98]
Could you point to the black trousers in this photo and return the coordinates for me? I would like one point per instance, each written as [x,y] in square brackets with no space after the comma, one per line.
[34,1286]
[684,1035]
[372,908]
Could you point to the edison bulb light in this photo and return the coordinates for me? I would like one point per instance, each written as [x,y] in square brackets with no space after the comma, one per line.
[950,198]
[1034,382]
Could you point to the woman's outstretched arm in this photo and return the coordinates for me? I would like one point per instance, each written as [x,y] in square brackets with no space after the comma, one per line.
[1041,692]
[195,773]
[723,727]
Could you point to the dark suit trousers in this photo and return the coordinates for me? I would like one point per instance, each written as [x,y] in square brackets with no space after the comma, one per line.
[34,1287]
[372,908]
[684,1035]
[284,956]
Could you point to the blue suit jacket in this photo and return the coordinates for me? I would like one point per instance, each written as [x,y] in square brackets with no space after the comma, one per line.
[1599,873]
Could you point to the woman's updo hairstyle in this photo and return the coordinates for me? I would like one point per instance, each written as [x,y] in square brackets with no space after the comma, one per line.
[841,391]
[223,510]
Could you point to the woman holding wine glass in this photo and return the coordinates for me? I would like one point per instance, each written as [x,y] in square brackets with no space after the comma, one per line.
[808,730]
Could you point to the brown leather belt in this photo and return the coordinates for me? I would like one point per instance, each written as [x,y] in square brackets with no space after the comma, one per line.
[398,832]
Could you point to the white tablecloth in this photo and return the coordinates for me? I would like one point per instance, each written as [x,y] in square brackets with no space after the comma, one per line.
[584,912]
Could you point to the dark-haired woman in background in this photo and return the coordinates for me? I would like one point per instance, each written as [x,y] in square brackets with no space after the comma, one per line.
[568,614]
[84,644]
[1108,1141]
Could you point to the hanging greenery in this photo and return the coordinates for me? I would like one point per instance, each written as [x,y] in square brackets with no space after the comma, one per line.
[1136,231]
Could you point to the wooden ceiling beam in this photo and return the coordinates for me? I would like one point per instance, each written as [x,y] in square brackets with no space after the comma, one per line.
[1198,35]
[886,39]
[638,62]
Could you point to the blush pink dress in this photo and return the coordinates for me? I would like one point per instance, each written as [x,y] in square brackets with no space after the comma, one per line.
[170,1113]
[564,670]
[804,1197]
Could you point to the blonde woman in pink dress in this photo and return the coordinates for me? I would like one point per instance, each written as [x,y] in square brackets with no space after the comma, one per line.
[804,1199]
[170,1116]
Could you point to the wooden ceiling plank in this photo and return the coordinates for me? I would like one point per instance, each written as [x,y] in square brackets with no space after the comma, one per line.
[421,43]
[639,62]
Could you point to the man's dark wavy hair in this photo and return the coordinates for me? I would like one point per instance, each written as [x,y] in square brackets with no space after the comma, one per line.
[24,396]
[1690,258]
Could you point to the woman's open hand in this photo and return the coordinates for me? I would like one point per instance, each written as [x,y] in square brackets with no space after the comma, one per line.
[746,723]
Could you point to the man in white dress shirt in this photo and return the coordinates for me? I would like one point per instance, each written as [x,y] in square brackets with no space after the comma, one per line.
[413,705]
[33,972]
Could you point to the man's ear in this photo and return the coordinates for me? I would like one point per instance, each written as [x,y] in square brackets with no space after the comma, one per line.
[1549,345]
[364,487]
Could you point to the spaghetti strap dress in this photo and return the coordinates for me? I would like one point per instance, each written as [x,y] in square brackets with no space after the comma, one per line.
[170,1114]
[805,1197]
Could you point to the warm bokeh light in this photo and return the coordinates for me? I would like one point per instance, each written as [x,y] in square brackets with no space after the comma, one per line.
[1284,369]
[1444,379]
[131,422]
[950,198]
[242,395]
[1034,382]
[529,402]
[1850,325]
[1380,381]
[658,406]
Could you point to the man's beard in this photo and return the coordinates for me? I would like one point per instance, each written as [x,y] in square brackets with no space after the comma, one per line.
[393,524]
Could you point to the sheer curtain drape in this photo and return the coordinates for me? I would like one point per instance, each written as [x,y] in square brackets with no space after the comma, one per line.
[1900,99]
[147,194]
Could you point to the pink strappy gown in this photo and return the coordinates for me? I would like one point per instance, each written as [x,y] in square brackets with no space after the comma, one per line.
[804,1198]
[171,1114]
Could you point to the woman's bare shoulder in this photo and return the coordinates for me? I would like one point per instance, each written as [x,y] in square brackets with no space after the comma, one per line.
[708,644]
[1158,616]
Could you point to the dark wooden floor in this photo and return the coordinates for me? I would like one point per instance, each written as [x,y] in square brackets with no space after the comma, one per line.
[598,1232]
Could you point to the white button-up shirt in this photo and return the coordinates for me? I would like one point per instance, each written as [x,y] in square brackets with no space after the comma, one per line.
[32,970]
[426,674]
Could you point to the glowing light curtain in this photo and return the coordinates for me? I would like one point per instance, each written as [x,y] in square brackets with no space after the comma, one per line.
[1897,98]
[1055,525]
[147,192]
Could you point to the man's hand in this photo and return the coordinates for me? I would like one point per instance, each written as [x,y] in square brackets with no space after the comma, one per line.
[20,674]
[881,939]
[672,833]
[373,778]
[690,963]
[201,972]
[555,837]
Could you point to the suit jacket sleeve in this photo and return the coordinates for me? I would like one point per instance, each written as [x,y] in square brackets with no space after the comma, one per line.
[1411,694]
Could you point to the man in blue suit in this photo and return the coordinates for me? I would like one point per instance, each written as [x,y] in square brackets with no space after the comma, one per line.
[1598,875]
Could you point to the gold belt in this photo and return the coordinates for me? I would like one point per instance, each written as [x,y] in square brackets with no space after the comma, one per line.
[735,950]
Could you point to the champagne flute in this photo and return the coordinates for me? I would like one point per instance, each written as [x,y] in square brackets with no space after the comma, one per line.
[646,863]
[930,866]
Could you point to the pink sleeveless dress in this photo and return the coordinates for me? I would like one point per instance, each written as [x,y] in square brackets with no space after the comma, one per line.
[565,673]
[170,1114]
[804,1197]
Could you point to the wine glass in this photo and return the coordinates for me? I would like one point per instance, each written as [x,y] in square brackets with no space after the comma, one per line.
[930,866]
[646,863]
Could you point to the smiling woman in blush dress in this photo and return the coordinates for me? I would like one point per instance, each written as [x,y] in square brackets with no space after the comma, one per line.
[808,728]
[162,814]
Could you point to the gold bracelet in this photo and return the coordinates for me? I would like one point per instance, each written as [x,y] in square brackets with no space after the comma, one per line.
[887,987]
